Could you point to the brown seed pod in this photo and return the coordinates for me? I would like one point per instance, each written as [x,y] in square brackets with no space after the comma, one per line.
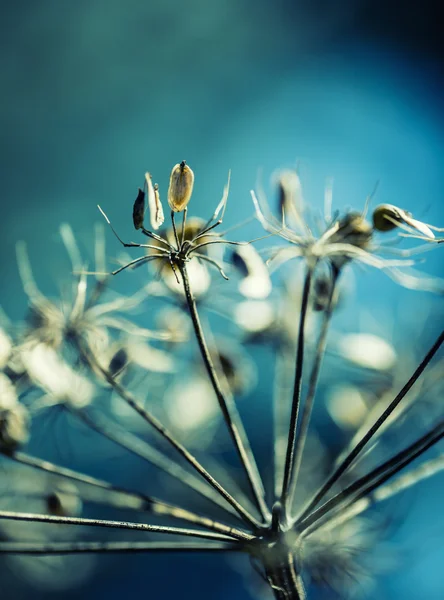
[386,217]
[353,229]
[181,187]
[139,209]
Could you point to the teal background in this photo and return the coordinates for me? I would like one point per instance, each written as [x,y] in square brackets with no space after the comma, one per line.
[94,93]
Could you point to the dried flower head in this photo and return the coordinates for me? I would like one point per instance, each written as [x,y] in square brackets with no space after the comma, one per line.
[181,187]
[343,239]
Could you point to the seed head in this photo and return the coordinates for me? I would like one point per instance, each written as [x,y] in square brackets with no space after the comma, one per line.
[181,187]
[139,209]
[387,216]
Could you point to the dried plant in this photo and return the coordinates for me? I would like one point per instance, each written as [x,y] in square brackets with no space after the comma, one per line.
[298,515]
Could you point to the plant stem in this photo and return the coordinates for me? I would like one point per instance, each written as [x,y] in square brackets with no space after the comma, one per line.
[227,405]
[169,437]
[48,548]
[312,385]
[290,455]
[38,518]
[122,498]
[371,432]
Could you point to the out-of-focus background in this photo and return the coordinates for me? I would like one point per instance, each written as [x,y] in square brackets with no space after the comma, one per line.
[94,93]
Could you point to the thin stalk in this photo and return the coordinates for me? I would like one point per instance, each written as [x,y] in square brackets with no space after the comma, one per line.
[163,431]
[37,518]
[141,448]
[227,405]
[48,548]
[345,464]
[357,506]
[290,455]
[133,500]
[312,385]
[373,480]
[283,383]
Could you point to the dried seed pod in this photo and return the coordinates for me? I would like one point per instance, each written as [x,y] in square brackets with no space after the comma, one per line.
[64,501]
[387,216]
[321,292]
[139,209]
[291,203]
[154,204]
[181,187]
[353,229]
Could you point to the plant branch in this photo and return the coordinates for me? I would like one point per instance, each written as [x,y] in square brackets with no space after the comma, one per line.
[120,497]
[169,437]
[312,385]
[365,485]
[345,464]
[290,455]
[227,405]
[38,518]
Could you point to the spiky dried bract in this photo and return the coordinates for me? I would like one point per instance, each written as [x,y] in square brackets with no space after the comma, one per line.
[181,186]
[139,209]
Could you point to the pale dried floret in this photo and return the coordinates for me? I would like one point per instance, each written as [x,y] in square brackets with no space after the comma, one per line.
[62,384]
[8,393]
[346,405]
[255,282]
[344,239]
[367,350]
[14,426]
[5,348]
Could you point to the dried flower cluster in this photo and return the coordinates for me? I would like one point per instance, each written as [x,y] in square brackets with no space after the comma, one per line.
[126,365]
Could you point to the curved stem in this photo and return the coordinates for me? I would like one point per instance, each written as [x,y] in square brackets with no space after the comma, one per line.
[227,405]
[290,455]
[371,432]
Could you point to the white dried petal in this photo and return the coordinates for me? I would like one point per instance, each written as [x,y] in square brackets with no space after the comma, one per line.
[368,351]
[8,394]
[154,204]
[254,315]
[5,348]
[14,429]
[256,282]
[151,359]
[63,384]
[346,406]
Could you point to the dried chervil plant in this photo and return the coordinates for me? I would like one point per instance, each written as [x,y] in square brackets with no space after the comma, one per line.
[302,513]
